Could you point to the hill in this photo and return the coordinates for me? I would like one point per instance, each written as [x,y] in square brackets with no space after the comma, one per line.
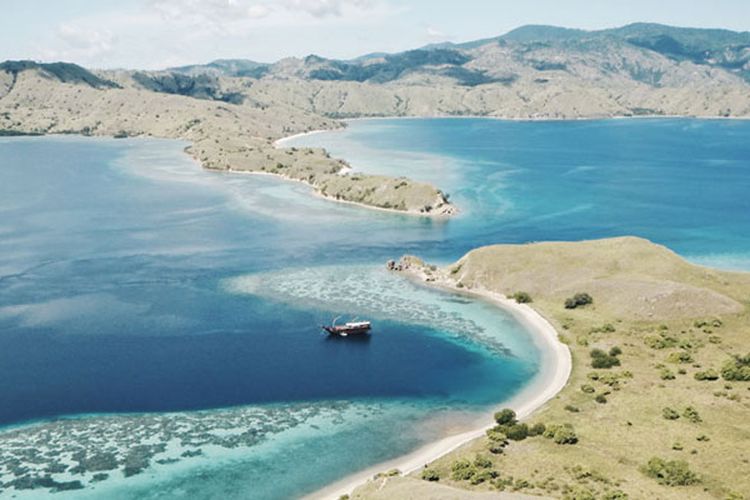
[657,400]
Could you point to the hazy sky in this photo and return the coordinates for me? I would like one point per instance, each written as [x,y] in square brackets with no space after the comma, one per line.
[162,33]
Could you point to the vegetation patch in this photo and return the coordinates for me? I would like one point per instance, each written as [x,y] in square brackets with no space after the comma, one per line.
[670,472]
[578,300]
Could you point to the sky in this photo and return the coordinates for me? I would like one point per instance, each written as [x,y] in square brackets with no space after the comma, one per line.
[155,34]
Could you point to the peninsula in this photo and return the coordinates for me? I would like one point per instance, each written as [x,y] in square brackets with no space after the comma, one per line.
[657,400]
[233,111]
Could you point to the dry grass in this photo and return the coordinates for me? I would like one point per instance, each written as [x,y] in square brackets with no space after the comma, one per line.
[708,319]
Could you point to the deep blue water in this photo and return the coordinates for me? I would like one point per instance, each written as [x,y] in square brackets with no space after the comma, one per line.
[111,297]
[115,259]
[683,183]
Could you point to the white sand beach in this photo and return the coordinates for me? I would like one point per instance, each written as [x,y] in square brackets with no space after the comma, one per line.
[556,367]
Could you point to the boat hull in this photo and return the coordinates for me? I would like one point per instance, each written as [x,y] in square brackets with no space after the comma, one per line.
[343,331]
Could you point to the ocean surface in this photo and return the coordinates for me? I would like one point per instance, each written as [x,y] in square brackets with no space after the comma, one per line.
[151,308]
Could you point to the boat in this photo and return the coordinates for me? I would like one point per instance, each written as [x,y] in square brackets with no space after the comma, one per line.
[349,328]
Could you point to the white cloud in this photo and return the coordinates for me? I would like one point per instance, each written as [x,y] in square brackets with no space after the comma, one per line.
[76,42]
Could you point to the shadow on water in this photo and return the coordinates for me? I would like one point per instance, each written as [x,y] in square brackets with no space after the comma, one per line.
[362,339]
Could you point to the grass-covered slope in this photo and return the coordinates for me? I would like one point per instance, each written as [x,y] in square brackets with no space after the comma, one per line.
[659,396]
[226,132]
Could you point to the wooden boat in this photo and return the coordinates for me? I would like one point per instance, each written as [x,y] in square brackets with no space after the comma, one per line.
[350,328]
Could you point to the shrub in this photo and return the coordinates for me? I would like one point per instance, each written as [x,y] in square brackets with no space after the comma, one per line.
[505,417]
[537,429]
[578,300]
[662,341]
[600,359]
[522,297]
[667,374]
[600,398]
[670,472]
[737,369]
[497,435]
[565,435]
[670,414]
[561,434]
[462,470]
[709,374]
[680,357]
[482,462]
[482,476]
[691,414]
[615,351]
[496,448]
[430,475]
[517,432]
[572,409]
[588,389]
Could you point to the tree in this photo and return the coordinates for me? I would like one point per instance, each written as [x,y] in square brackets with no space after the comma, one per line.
[505,417]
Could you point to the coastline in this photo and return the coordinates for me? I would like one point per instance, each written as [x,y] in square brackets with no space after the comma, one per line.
[316,192]
[556,362]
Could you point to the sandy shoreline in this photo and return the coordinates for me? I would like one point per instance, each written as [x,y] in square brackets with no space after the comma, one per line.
[556,367]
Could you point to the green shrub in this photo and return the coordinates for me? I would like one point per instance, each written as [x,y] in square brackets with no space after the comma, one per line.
[588,389]
[517,432]
[495,447]
[661,341]
[537,429]
[578,300]
[680,357]
[482,476]
[600,359]
[430,475]
[709,374]
[561,434]
[522,297]
[615,351]
[691,415]
[670,414]
[667,374]
[462,470]
[505,417]
[670,472]
[572,409]
[482,462]
[600,398]
[497,434]
[737,369]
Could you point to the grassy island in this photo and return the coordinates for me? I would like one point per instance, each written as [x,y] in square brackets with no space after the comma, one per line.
[657,402]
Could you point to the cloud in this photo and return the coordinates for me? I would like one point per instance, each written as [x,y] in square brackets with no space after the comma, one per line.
[81,41]
[233,11]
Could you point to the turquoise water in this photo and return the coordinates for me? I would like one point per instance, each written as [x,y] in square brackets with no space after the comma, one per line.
[175,311]
[134,283]
[683,183]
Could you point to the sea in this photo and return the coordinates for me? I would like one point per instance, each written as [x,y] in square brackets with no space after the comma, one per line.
[171,316]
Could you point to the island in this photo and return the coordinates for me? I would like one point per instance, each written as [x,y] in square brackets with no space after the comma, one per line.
[657,401]
[232,112]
